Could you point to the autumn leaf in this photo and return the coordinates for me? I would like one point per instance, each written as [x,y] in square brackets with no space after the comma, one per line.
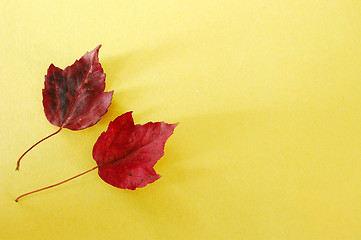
[126,153]
[74,98]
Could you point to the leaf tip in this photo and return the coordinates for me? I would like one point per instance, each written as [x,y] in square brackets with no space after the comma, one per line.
[96,49]
[111,93]
[127,114]
[173,125]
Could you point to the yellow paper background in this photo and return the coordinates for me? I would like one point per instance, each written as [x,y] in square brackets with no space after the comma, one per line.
[267,94]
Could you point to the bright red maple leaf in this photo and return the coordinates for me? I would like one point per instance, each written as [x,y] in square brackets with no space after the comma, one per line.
[74,98]
[126,153]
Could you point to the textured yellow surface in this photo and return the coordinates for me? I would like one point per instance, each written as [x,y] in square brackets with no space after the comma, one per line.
[267,94]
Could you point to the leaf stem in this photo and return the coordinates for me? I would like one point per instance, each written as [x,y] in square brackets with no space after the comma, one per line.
[18,162]
[57,184]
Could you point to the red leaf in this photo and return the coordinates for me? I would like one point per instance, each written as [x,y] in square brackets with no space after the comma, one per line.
[126,153]
[74,98]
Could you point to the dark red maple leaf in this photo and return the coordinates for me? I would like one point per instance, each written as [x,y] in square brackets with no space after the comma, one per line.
[74,98]
[126,153]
